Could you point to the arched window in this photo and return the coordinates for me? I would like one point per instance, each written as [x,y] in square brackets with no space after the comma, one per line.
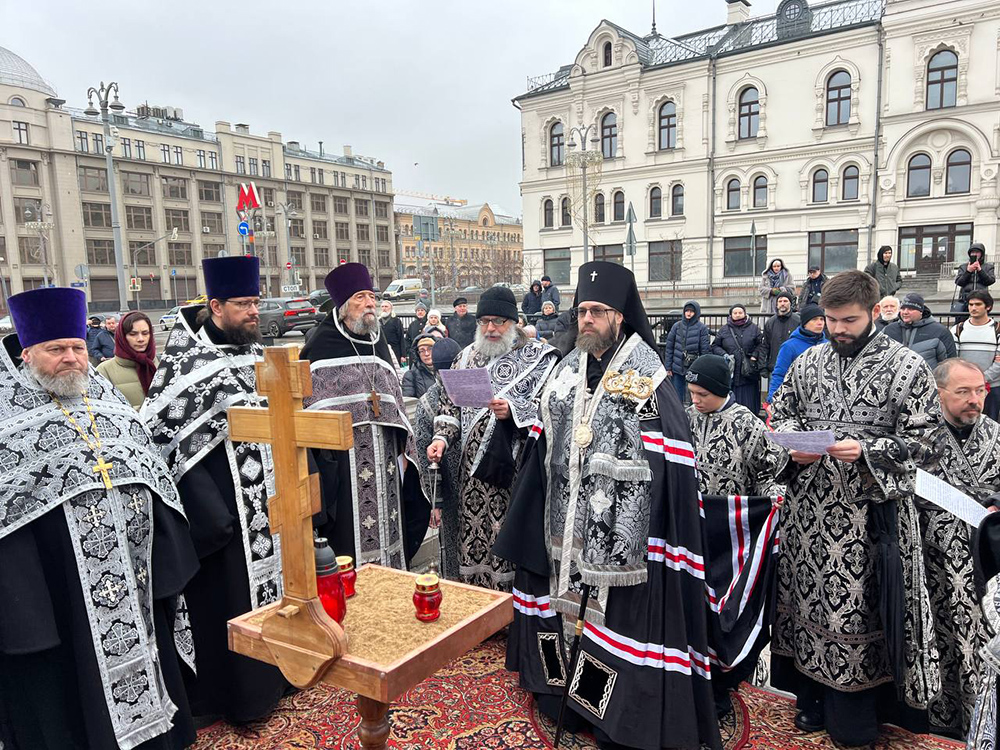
[760,192]
[655,203]
[557,143]
[733,195]
[547,211]
[564,213]
[942,80]
[677,200]
[959,177]
[609,135]
[749,113]
[918,176]
[599,208]
[16,101]
[486,221]
[849,182]
[668,125]
[607,54]
[821,186]
[619,206]
[838,98]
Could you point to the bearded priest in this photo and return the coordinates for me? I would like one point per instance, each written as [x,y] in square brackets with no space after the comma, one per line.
[373,508]
[94,550]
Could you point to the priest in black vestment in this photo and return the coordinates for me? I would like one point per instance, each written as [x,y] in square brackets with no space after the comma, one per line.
[373,508]
[94,550]
[207,367]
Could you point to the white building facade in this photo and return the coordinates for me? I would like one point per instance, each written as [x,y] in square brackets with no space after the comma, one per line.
[814,135]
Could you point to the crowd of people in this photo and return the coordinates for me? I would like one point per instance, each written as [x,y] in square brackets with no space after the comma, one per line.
[132,527]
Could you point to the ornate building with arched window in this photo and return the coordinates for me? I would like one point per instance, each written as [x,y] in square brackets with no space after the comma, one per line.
[816,134]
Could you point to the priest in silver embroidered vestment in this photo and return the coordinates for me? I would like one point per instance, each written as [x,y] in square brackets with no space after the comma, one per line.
[94,550]
[490,439]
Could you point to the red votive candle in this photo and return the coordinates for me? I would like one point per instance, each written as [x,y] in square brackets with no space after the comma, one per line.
[427,598]
[328,585]
[348,575]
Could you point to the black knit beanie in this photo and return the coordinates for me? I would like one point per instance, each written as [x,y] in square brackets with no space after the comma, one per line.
[498,301]
[711,372]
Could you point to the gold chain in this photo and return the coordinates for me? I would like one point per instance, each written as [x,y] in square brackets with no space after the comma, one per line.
[95,446]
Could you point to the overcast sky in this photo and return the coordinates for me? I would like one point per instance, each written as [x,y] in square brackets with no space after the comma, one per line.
[424,85]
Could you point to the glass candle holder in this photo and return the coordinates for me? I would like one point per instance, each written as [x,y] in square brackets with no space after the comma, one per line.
[427,598]
[348,575]
[328,585]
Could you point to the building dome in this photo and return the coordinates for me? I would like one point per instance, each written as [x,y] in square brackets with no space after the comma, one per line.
[14,71]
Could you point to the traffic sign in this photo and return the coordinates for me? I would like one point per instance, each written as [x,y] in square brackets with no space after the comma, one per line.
[135,284]
[82,271]
[288,265]
[243,228]
[292,288]
[173,271]
[78,284]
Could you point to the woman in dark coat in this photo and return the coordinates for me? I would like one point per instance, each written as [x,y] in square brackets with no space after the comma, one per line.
[546,324]
[420,375]
[739,339]
[688,339]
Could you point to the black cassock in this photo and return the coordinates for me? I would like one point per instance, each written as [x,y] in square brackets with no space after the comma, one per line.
[224,487]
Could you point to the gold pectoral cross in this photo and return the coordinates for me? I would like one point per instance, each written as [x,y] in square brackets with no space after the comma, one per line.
[375,398]
[103,468]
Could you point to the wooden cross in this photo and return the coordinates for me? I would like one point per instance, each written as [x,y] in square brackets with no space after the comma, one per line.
[300,635]
[375,398]
[102,467]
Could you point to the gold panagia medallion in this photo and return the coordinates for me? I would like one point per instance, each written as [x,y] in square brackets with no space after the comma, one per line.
[583,435]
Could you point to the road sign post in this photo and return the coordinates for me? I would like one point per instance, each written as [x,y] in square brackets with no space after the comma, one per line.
[630,236]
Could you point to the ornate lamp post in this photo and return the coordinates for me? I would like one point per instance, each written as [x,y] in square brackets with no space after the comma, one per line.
[583,160]
[41,225]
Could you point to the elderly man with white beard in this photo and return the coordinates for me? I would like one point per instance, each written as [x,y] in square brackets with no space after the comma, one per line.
[490,439]
[94,550]
[372,505]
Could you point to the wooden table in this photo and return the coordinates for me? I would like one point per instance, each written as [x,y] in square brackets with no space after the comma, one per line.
[389,650]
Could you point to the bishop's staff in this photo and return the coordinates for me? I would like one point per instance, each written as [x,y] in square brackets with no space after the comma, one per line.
[573,659]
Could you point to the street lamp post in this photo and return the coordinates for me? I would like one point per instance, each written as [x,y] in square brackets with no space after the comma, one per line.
[110,139]
[3,283]
[42,226]
[289,213]
[172,235]
[584,159]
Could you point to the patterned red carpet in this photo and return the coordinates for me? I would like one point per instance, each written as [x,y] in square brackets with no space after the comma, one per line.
[475,704]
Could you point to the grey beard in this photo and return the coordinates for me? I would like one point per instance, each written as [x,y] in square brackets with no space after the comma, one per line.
[492,349]
[359,327]
[66,385]
[594,343]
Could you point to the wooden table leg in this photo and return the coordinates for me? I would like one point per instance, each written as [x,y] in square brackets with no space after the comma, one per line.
[374,729]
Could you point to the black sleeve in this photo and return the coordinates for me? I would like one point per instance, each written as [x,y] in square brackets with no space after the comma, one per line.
[498,467]
[410,382]
[521,540]
[326,464]
[987,276]
[210,515]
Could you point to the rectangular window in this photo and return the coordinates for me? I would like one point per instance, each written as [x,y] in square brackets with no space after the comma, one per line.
[288,171]
[357,181]
[298,176]
[127,148]
[99,143]
[92,179]
[312,174]
[360,207]
[298,256]
[25,210]
[320,176]
[295,200]
[179,253]
[140,150]
[101,252]
[241,165]
[165,153]
[381,210]
[610,253]
[178,155]
[30,249]
[141,256]
[834,251]
[135,183]
[296,228]
[319,230]
[201,158]
[176,217]
[21,133]
[267,196]
[318,203]
[253,165]
[210,191]
[364,182]
[24,173]
[82,142]
[265,167]
[97,215]
[343,179]
[139,217]
[740,260]
[213,160]
[213,221]
[382,233]
[926,248]
[556,264]
[364,233]
[365,256]
[175,188]
[343,230]
[340,206]
[211,251]
[322,255]
[665,261]
[272,256]
[383,259]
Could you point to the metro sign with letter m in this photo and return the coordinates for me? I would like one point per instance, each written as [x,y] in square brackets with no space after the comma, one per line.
[248,197]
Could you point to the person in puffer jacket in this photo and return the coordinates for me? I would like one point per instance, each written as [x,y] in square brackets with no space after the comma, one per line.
[808,334]
[917,330]
[976,274]
[688,339]
[546,324]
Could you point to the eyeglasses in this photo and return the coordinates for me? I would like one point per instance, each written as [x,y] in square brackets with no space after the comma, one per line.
[495,322]
[244,304]
[597,313]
